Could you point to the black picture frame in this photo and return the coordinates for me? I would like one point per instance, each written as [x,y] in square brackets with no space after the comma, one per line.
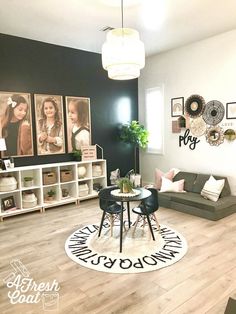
[230,111]
[2,165]
[7,163]
[8,203]
[177,106]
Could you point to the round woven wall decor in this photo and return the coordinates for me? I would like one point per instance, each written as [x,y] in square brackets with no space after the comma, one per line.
[215,135]
[214,112]
[198,126]
[195,106]
[230,135]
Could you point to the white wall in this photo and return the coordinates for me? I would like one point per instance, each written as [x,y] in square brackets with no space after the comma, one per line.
[207,68]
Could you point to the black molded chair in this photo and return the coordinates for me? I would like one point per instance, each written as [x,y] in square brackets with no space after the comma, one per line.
[146,211]
[111,210]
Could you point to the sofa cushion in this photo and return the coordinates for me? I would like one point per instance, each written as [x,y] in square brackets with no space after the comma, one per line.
[201,180]
[212,189]
[159,174]
[169,186]
[196,200]
[189,178]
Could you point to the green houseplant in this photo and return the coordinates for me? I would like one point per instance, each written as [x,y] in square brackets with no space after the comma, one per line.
[77,154]
[28,181]
[125,185]
[50,195]
[135,134]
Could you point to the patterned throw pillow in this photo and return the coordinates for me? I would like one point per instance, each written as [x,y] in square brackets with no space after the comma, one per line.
[212,189]
[169,186]
[159,174]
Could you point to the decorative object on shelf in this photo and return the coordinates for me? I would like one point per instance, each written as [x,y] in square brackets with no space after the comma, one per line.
[78,122]
[7,163]
[77,154]
[123,53]
[125,185]
[49,177]
[96,170]
[64,192]
[17,143]
[82,170]
[66,175]
[2,149]
[28,181]
[177,106]
[175,127]
[198,126]
[214,112]
[231,110]
[83,189]
[29,199]
[135,134]
[8,183]
[215,135]
[8,203]
[49,126]
[89,152]
[12,164]
[230,135]
[194,106]
[50,195]
[188,139]
[97,187]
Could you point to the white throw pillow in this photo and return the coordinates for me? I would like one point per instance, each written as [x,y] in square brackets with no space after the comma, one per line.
[212,189]
[169,186]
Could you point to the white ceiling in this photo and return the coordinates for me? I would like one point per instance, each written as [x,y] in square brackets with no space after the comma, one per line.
[162,24]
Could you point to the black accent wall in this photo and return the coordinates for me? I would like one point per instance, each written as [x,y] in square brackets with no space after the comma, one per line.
[39,68]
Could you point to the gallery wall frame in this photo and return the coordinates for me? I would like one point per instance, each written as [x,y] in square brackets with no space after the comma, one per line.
[231,110]
[50,131]
[177,106]
[78,121]
[16,123]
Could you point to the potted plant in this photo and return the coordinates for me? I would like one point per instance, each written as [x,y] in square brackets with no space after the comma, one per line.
[125,185]
[135,134]
[77,154]
[28,181]
[50,195]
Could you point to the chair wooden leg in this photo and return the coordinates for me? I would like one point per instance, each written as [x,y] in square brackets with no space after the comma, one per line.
[111,223]
[157,223]
[150,227]
[101,224]
[136,223]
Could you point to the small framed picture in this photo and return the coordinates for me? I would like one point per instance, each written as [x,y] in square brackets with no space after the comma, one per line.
[7,163]
[177,106]
[8,203]
[2,165]
[231,110]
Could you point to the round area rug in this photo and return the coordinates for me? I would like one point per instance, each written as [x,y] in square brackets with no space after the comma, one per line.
[140,253]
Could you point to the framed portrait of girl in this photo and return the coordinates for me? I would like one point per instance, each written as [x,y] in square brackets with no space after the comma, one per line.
[78,122]
[16,124]
[49,124]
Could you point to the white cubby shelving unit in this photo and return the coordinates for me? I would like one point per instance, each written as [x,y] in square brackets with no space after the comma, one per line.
[66,191]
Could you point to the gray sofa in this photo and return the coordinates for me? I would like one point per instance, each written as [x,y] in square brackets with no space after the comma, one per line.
[193,203]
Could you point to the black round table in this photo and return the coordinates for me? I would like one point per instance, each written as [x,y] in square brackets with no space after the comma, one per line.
[105,194]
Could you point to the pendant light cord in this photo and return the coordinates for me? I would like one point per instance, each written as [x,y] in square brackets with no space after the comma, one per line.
[122,15]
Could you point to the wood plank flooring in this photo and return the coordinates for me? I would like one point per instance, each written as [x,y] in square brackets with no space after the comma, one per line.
[199,283]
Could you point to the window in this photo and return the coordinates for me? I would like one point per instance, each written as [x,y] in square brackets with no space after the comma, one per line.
[154,105]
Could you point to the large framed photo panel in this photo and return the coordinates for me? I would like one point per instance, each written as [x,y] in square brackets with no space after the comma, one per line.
[49,124]
[78,122]
[16,124]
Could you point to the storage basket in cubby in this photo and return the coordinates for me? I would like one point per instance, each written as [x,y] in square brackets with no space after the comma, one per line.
[49,178]
[29,199]
[66,175]
[83,189]
[97,170]
[8,183]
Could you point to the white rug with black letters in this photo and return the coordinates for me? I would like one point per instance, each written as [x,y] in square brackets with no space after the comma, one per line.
[140,253]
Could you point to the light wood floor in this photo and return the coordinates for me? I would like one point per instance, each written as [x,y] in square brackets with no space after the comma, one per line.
[200,283]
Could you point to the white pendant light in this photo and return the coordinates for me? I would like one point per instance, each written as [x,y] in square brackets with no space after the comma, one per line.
[123,53]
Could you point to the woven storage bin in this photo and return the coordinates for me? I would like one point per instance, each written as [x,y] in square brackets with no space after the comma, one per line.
[97,170]
[8,184]
[29,200]
[66,175]
[49,178]
[83,189]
